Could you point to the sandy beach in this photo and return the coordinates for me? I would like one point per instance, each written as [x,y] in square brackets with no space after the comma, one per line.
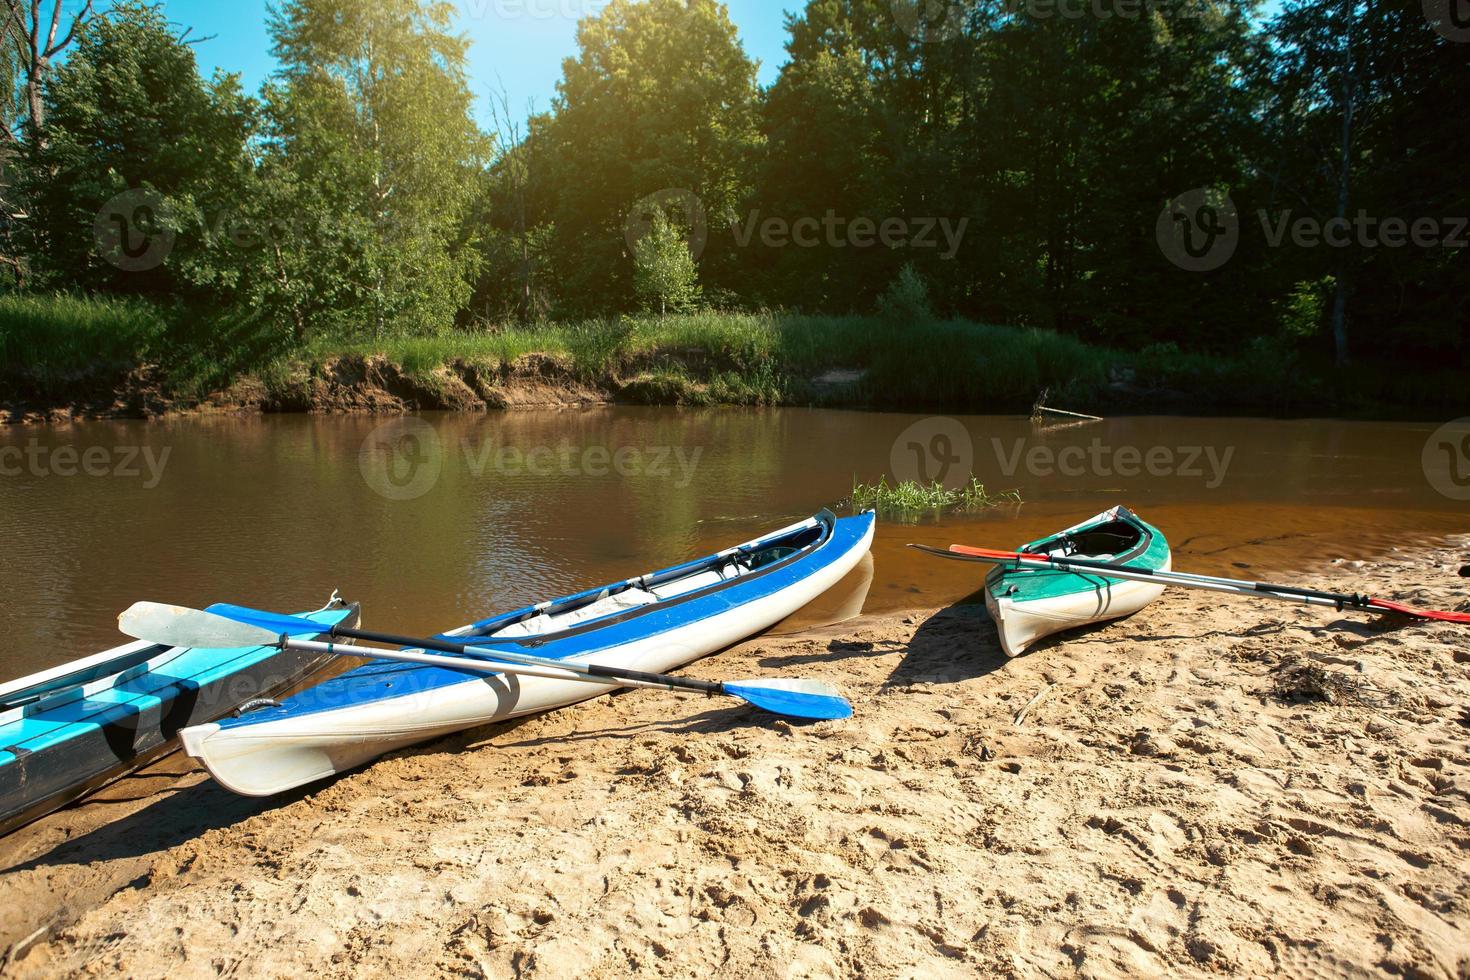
[1218,785]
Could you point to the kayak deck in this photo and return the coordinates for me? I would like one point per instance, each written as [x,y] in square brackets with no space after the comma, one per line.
[696,609]
[1124,540]
[68,730]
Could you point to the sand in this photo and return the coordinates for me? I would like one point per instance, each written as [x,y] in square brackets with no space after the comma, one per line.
[1215,786]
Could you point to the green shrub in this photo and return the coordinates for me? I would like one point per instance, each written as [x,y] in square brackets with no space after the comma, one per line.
[906,300]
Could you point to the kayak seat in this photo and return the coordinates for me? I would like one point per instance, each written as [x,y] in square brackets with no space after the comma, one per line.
[606,606]
[700,580]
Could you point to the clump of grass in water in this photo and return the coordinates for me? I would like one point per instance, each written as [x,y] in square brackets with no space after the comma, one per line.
[911,498]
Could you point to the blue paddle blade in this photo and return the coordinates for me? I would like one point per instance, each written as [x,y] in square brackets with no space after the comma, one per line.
[793,698]
[274,622]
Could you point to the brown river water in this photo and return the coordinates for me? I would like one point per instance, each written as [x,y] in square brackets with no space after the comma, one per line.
[434,521]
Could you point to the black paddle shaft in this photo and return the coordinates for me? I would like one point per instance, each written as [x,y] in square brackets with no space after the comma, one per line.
[444,646]
[1343,601]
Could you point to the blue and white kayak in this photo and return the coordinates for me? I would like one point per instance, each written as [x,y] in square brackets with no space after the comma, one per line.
[655,622]
[66,731]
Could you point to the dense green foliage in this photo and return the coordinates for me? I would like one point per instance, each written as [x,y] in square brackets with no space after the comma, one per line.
[915,168]
[138,151]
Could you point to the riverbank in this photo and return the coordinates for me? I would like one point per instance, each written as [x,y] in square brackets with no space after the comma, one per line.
[1215,785]
[75,359]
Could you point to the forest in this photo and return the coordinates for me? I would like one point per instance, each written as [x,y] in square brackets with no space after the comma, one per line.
[1279,187]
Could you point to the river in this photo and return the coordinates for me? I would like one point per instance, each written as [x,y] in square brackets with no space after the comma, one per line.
[433,521]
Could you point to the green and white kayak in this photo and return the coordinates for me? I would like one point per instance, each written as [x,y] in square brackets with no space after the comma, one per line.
[1031,603]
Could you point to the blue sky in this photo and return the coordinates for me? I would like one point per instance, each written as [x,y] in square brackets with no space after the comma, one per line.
[518,42]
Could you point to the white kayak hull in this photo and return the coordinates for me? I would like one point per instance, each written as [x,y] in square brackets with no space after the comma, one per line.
[1030,604]
[281,753]
[1023,624]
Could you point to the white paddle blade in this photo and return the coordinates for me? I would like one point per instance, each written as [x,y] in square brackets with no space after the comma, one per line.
[179,626]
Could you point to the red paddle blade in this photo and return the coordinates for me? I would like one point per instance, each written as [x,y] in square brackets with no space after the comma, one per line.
[960,549]
[1434,614]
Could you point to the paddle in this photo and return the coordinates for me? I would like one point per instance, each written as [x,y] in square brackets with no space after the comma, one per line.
[225,626]
[1284,593]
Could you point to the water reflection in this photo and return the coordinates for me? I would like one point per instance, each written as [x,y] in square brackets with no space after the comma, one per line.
[277,511]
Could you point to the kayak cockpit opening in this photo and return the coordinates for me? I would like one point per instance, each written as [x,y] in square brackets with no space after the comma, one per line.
[769,556]
[635,595]
[1102,541]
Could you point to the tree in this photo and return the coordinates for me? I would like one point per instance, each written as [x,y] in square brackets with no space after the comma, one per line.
[138,160]
[374,153]
[1321,72]
[1357,114]
[516,238]
[666,275]
[825,122]
[35,33]
[1076,133]
[660,98]
[30,41]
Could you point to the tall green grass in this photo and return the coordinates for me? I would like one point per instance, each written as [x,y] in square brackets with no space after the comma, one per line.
[910,499]
[51,340]
[54,343]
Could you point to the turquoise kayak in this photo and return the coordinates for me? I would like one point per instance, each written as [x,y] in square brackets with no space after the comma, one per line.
[69,730]
[1030,604]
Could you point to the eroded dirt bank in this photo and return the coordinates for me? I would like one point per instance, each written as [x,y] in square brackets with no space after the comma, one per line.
[1217,785]
[351,385]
